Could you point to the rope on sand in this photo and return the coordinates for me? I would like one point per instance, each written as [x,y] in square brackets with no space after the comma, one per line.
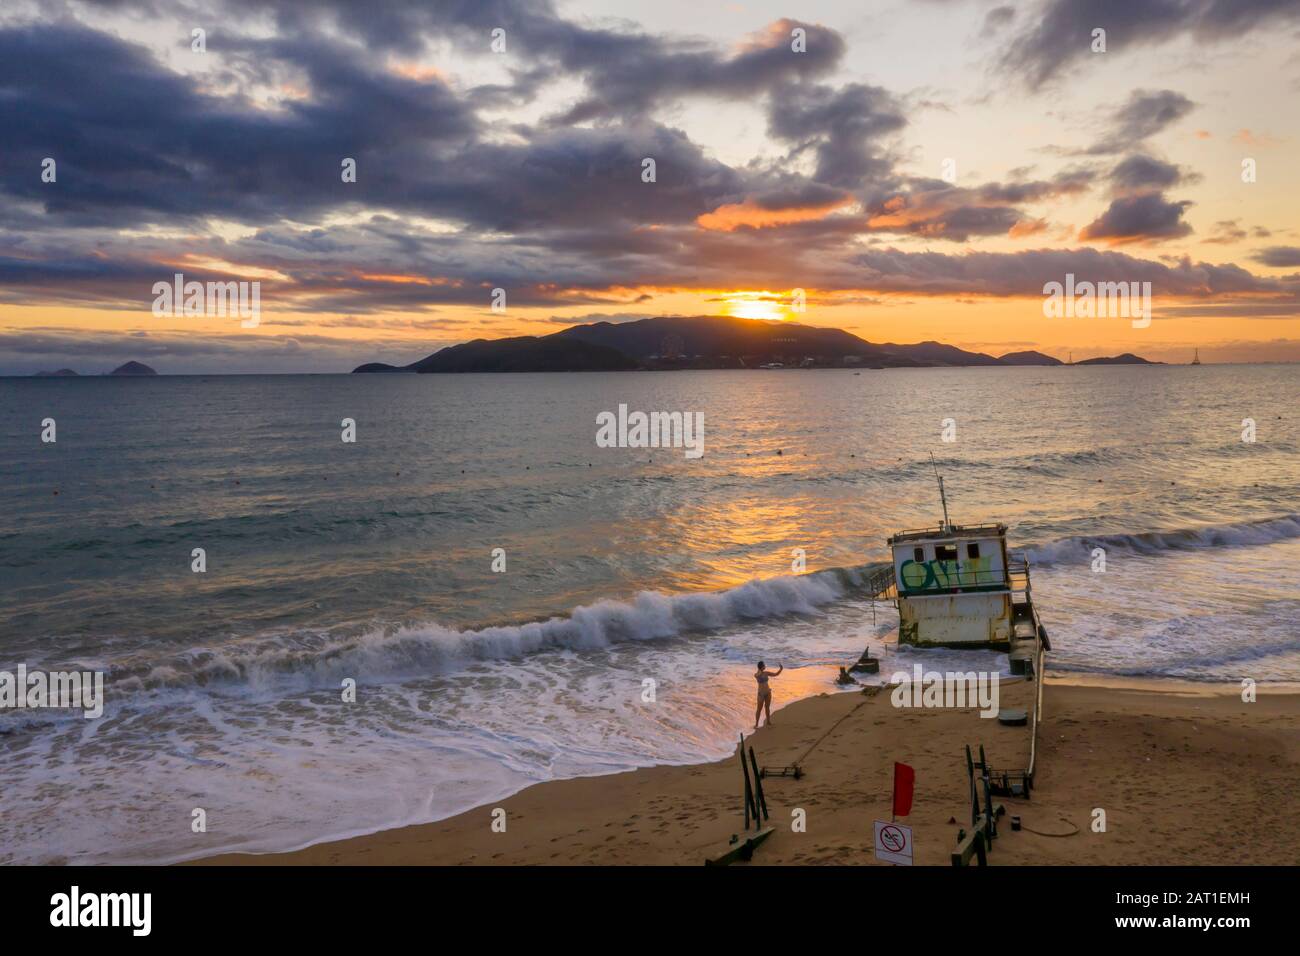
[830,730]
[1041,833]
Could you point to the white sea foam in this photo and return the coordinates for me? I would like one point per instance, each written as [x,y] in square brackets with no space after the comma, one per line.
[299,662]
[1078,548]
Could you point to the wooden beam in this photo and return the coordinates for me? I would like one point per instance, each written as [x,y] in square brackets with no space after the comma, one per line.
[744,850]
[971,845]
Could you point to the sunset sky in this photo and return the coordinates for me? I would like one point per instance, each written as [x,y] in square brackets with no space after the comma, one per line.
[821,170]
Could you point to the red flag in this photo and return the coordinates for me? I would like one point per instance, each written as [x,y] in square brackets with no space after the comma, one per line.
[904,777]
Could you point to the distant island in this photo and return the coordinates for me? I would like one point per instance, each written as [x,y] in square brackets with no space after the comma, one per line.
[706,342]
[133,368]
[1128,358]
[1029,358]
[527,353]
[130,368]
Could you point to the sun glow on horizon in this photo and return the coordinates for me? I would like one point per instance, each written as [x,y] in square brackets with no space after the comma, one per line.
[755,305]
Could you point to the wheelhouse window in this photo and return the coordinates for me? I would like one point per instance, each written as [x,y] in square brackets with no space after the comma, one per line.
[945,552]
[973,550]
[918,555]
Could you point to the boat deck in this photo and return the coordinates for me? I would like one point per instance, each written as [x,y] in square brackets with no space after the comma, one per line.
[1010,747]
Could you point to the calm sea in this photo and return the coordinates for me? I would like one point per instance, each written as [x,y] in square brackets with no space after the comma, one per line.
[372,561]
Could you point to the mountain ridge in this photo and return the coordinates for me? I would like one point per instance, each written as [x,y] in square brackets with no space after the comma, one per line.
[705,341]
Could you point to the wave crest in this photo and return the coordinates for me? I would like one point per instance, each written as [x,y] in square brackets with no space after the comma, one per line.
[1236,534]
[305,662]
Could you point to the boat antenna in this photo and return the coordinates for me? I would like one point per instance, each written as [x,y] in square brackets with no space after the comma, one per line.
[942,497]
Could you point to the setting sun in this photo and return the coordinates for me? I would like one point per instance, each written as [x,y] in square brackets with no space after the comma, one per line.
[754,305]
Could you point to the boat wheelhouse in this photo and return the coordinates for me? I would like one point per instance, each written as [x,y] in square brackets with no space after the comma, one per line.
[959,586]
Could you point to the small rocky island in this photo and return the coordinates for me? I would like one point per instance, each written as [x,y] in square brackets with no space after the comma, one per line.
[1128,358]
[133,368]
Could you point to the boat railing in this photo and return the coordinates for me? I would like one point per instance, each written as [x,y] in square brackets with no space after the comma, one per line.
[1018,573]
[942,531]
[880,583]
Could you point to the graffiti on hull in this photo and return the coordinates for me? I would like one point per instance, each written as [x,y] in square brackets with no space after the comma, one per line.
[939,575]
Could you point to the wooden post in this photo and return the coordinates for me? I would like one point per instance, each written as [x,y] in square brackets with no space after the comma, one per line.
[749,792]
[758,786]
[974,796]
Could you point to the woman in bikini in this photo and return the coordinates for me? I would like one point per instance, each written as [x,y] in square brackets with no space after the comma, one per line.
[765,692]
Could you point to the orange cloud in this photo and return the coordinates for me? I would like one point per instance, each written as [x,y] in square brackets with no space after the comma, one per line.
[749,213]
[400,279]
[774,36]
[1260,140]
[419,72]
[1028,227]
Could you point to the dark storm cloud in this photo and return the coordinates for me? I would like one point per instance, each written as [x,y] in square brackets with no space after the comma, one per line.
[399,26]
[1279,257]
[630,74]
[1139,210]
[1139,218]
[1060,33]
[71,277]
[136,142]
[841,126]
[627,72]
[1146,113]
[1025,273]
[1068,182]
[1143,115]
[1140,172]
[938,210]
[567,176]
[795,192]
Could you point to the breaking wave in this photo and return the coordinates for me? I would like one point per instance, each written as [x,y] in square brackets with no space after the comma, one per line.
[305,661]
[1236,534]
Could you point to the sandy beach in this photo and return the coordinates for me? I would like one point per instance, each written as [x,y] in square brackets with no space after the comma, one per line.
[1186,773]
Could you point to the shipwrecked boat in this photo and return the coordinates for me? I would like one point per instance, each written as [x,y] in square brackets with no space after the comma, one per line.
[961,587]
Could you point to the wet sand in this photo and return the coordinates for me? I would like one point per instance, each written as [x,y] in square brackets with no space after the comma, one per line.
[1186,774]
